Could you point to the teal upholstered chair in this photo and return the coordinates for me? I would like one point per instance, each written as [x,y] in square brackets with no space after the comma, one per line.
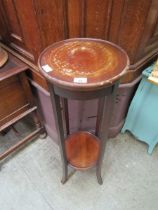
[142,117]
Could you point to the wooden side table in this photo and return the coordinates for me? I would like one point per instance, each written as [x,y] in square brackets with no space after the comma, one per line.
[83,69]
[16,100]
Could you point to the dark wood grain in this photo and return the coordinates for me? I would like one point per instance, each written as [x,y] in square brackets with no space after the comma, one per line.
[50,18]
[15,93]
[22,32]
[27,27]
[11,64]
[16,100]
[97,18]
[56,105]
[132,24]
[37,78]
[11,96]
[115,20]
[133,21]
[13,21]
[149,41]
[75,18]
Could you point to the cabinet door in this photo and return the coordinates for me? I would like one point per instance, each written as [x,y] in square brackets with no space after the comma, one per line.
[51,19]
[23,35]
[149,42]
[3,28]
[90,18]
[134,27]
[129,23]
[32,25]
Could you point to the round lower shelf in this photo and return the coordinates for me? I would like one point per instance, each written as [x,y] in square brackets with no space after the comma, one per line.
[82,149]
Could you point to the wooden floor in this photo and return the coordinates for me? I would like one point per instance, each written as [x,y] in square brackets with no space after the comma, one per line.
[30,180]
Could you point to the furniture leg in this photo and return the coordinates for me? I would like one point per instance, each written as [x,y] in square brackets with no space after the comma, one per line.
[73,71]
[102,134]
[99,114]
[55,99]
[65,110]
[106,104]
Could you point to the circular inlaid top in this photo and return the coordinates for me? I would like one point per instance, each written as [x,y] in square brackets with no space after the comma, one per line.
[83,63]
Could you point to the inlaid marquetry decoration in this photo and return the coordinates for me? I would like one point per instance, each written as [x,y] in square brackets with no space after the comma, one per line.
[78,61]
[83,69]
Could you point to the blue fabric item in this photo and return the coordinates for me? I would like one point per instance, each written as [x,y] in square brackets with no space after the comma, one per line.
[142,117]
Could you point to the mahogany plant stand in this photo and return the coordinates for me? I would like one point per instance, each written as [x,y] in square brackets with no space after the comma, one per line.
[83,69]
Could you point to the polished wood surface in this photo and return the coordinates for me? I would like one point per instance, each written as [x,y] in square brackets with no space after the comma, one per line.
[16,100]
[21,33]
[13,98]
[99,62]
[82,149]
[133,25]
[32,71]
[12,67]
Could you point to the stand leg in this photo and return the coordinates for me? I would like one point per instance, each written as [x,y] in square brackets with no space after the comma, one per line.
[64,103]
[102,135]
[55,99]
[99,114]
[104,111]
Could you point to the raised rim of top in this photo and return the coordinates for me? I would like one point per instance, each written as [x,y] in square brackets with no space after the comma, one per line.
[78,86]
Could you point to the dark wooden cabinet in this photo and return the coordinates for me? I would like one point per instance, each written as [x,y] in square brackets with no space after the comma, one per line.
[32,25]
[22,29]
[16,100]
